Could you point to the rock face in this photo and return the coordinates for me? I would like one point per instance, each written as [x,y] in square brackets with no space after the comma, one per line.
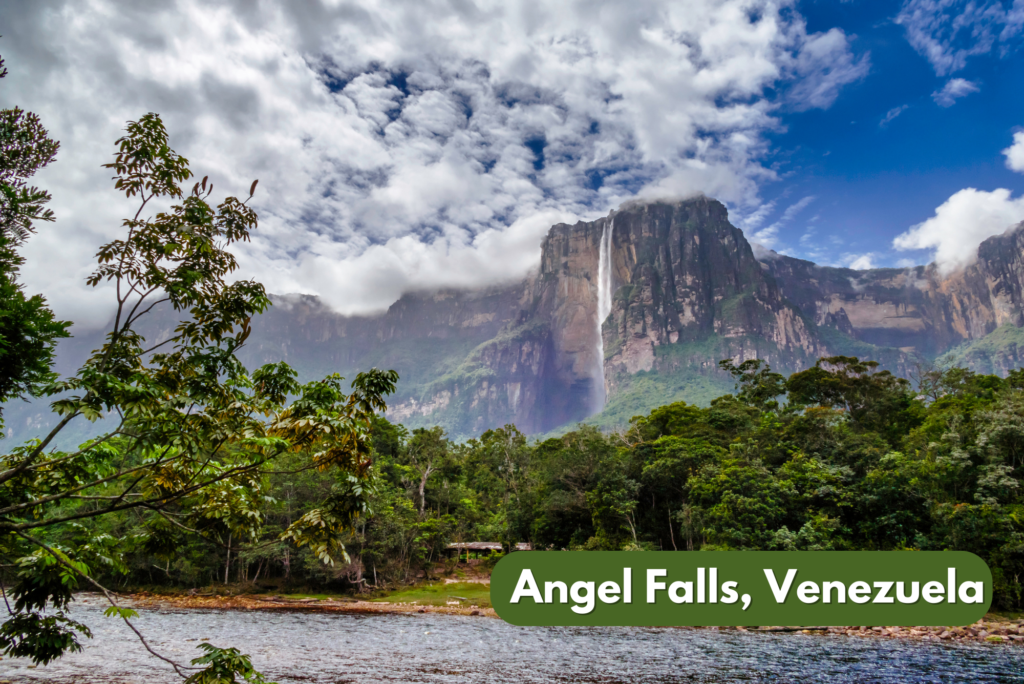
[686,290]
[683,275]
[915,309]
[683,288]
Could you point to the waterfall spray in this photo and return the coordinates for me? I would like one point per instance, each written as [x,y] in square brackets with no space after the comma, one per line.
[604,301]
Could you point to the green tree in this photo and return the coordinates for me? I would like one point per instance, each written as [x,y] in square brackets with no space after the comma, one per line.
[502,461]
[875,400]
[195,435]
[425,455]
[756,384]
[28,328]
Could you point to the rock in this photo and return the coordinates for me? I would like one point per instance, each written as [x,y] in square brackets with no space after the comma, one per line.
[475,612]
[681,274]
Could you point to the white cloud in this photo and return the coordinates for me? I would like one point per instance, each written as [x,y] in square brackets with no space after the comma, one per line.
[408,145]
[811,247]
[860,262]
[807,239]
[753,220]
[825,65]
[892,114]
[954,89]
[948,32]
[960,224]
[1015,153]
[768,237]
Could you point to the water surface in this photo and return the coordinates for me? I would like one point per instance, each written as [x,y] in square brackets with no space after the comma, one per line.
[339,647]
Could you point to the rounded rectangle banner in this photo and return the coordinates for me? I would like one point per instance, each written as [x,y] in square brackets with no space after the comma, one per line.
[734,588]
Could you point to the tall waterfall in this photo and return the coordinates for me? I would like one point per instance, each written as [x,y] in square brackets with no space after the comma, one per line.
[604,303]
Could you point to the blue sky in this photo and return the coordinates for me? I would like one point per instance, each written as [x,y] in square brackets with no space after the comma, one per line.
[418,145]
[871,180]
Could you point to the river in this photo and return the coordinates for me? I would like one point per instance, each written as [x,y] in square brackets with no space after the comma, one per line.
[344,647]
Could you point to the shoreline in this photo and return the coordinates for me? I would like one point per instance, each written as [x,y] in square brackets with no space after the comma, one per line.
[270,603]
[991,629]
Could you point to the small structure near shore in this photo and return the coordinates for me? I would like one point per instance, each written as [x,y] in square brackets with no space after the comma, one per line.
[479,547]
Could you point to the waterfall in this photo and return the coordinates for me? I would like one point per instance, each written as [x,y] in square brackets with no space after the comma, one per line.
[604,303]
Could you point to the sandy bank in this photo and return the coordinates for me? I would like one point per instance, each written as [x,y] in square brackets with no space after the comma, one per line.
[259,602]
[992,629]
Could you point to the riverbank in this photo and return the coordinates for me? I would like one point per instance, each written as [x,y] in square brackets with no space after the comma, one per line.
[330,604]
[994,629]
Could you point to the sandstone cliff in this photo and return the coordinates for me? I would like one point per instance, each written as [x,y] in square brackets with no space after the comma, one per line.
[687,290]
[682,289]
[915,309]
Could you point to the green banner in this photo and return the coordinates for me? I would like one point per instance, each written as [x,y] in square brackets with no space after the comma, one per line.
[730,588]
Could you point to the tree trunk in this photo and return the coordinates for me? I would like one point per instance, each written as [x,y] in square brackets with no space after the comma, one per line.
[258,568]
[423,490]
[227,564]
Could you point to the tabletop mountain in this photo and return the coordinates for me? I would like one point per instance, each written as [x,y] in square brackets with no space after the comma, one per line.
[678,287]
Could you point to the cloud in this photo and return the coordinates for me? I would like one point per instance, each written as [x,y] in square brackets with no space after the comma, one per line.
[892,114]
[954,89]
[948,32]
[753,220]
[767,237]
[807,239]
[401,145]
[960,224]
[825,65]
[811,246]
[860,262]
[1015,153]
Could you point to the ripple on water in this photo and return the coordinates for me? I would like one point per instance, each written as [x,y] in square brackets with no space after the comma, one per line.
[338,647]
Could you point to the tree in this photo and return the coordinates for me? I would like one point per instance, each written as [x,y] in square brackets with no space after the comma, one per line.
[28,328]
[502,452]
[195,435]
[874,400]
[424,455]
[756,384]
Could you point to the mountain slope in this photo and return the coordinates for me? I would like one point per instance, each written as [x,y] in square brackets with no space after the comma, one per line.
[682,288]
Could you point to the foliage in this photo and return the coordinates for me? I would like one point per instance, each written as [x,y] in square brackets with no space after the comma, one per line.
[197,439]
[28,329]
[223,666]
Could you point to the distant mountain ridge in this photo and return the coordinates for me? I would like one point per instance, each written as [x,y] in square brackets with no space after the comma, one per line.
[682,288]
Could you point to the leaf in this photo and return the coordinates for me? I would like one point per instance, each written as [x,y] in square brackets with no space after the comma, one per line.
[252,188]
[117,611]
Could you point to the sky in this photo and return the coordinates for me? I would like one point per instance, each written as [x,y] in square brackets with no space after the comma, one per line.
[415,145]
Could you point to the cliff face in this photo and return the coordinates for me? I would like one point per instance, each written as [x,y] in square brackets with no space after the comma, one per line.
[683,274]
[914,309]
[682,288]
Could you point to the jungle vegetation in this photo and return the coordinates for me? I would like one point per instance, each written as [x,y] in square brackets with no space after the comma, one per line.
[214,474]
[840,456]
